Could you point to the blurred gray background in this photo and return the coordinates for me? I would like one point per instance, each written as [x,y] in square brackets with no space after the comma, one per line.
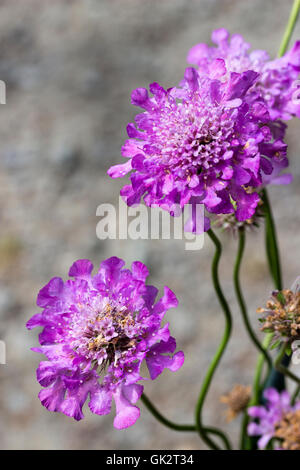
[69,67]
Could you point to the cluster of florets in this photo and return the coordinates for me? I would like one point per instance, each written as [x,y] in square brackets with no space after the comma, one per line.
[278,82]
[97,332]
[281,315]
[203,143]
[278,419]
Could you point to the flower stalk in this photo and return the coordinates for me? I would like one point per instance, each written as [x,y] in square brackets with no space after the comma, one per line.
[163,420]
[244,442]
[290,28]
[180,427]
[281,368]
[240,298]
[272,249]
[222,346]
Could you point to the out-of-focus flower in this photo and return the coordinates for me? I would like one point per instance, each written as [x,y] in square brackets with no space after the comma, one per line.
[288,431]
[203,143]
[281,315]
[97,332]
[277,82]
[237,400]
[278,419]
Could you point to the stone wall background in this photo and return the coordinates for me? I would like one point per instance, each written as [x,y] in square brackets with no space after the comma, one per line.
[69,67]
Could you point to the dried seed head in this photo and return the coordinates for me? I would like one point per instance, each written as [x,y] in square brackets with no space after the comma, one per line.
[237,400]
[288,430]
[282,315]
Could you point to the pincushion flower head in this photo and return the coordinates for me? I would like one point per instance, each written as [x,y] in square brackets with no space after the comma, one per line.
[281,315]
[97,331]
[279,419]
[202,143]
[278,82]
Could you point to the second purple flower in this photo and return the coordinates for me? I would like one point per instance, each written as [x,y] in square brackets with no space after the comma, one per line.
[97,331]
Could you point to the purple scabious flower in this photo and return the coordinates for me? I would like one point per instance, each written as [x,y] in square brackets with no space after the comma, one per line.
[277,82]
[205,142]
[271,417]
[97,331]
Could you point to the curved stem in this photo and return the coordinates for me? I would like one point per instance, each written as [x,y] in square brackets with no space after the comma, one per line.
[240,298]
[281,368]
[245,440]
[165,421]
[180,427]
[259,368]
[218,355]
[290,28]
[243,308]
[220,434]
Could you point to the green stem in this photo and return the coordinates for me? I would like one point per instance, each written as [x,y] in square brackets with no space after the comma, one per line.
[165,421]
[290,28]
[243,308]
[180,427]
[273,257]
[257,386]
[240,298]
[271,243]
[281,368]
[295,394]
[218,355]
[245,440]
